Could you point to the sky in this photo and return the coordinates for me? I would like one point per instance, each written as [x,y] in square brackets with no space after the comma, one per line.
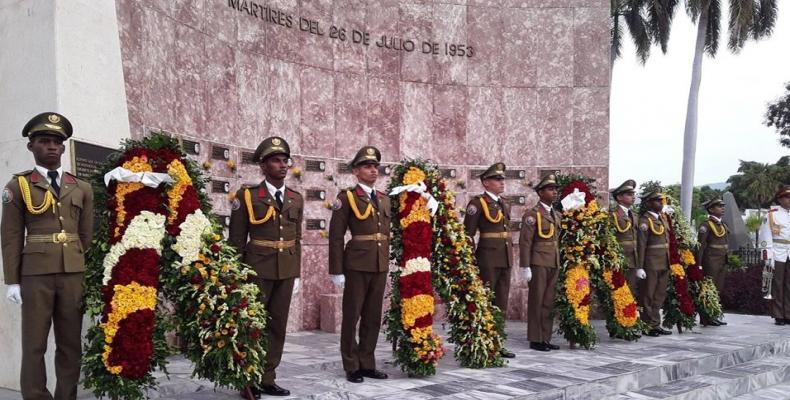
[648,106]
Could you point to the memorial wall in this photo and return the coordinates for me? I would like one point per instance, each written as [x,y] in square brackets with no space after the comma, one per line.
[464,83]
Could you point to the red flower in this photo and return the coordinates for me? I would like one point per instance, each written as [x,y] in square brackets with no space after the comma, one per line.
[415,284]
[585,301]
[618,280]
[694,273]
[630,310]
[215,248]
[471,307]
[133,346]
[422,322]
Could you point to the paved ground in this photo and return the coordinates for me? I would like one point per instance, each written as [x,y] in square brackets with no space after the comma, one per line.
[749,358]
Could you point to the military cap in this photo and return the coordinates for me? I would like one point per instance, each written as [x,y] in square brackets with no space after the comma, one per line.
[547,181]
[271,146]
[496,171]
[652,195]
[712,203]
[50,123]
[784,190]
[366,155]
[625,187]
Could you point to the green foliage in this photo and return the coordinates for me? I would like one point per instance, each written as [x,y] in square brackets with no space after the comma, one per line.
[778,116]
[734,262]
[755,183]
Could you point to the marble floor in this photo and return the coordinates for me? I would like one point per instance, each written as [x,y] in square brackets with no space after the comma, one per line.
[748,359]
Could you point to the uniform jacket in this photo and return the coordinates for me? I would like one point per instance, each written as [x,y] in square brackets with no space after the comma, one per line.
[73,214]
[359,255]
[775,233]
[712,249]
[286,224]
[490,252]
[653,249]
[535,250]
[628,238]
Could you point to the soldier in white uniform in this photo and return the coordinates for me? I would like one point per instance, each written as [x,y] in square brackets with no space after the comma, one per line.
[775,239]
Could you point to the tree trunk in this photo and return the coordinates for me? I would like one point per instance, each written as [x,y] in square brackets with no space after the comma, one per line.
[690,134]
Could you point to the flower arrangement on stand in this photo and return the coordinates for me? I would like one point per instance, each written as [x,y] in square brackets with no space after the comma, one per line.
[679,305]
[156,242]
[622,311]
[476,325]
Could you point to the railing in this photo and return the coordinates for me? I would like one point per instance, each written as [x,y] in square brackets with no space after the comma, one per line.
[750,256]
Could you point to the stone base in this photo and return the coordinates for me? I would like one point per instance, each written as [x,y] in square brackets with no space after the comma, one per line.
[331,309]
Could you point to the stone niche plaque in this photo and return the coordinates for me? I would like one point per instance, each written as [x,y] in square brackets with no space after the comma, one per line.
[448,173]
[220,153]
[509,173]
[315,165]
[190,147]
[514,226]
[224,220]
[86,158]
[316,195]
[316,224]
[515,200]
[220,186]
[246,157]
[343,168]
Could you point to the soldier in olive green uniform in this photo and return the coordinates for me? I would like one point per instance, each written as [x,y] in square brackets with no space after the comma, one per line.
[47,226]
[713,248]
[361,265]
[625,224]
[266,227]
[653,251]
[490,214]
[539,246]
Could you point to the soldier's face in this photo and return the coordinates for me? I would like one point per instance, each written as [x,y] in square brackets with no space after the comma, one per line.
[47,150]
[494,185]
[627,199]
[655,205]
[548,195]
[275,167]
[717,211]
[366,173]
[784,201]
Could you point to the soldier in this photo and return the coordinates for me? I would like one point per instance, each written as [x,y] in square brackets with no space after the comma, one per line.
[491,215]
[266,228]
[362,266]
[775,240]
[539,246]
[653,257]
[625,223]
[47,226]
[713,248]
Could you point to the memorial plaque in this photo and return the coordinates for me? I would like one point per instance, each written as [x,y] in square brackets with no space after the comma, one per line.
[385,169]
[343,168]
[220,153]
[514,226]
[246,157]
[315,165]
[517,200]
[190,147]
[224,220]
[86,158]
[316,224]
[220,187]
[316,195]
[448,172]
[515,174]
[544,172]
[475,173]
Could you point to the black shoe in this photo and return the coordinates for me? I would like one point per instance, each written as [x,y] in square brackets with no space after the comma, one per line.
[721,322]
[354,377]
[538,346]
[372,373]
[506,354]
[653,333]
[710,323]
[274,390]
[779,321]
[664,331]
[255,392]
[551,346]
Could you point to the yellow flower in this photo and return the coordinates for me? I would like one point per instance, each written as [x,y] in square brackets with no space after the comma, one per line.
[416,307]
[413,175]
[677,271]
[687,257]
[126,300]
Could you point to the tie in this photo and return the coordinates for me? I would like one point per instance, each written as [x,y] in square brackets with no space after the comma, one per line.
[630,216]
[499,203]
[279,197]
[374,199]
[53,180]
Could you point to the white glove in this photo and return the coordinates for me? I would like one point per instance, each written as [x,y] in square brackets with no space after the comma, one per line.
[338,280]
[297,281]
[640,273]
[768,263]
[527,274]
[13,294]
[667,209]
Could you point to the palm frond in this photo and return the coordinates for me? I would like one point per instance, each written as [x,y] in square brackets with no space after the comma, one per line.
[659,19]
[637,27]
[617,37]
[713,27]
[765,19]
[742,13]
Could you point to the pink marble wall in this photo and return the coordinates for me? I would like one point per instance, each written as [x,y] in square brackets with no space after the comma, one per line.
[534,95]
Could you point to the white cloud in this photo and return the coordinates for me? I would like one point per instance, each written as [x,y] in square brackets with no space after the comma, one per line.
[648,106]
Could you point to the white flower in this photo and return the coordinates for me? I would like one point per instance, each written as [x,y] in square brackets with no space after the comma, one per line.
[189,242]
[419,264]
[145,231]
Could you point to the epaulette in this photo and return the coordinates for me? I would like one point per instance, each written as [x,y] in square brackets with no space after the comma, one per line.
[24,173]
[68,177]
[293,193]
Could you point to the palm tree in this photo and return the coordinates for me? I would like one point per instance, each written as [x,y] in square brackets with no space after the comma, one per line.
[755,184]
[648,22]
[753,19]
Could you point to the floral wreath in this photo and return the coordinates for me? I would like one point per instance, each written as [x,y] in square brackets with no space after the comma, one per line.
[431,249]
[157,245]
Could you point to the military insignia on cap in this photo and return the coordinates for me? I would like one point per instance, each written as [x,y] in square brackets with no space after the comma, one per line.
[276,141]
[53,118]
[703,229]
[530,221]
[643,227]
[337,204]
[235,204]
[8,196]
[471,209]
[370,151]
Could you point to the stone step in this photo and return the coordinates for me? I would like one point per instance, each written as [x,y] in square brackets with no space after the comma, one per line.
[775,392]
[743,379]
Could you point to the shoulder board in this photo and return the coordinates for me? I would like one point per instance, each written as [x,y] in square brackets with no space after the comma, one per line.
[771,210]
[381,193]
[69,178]
[359,191]
[24,173]
[293,193]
